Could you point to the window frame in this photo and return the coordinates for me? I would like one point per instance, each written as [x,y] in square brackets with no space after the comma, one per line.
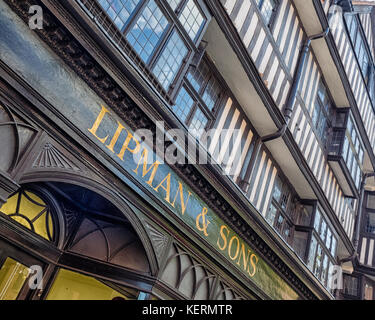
[356,34]
[174,23]
[346,276]
[322,243]
[328,116]
[270,24]
[288,214]
[198,96]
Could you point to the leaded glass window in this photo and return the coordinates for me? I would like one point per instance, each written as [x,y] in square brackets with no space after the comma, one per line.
[148,30]
[267,8]
[157,38]
[174,3]
[119,10]
[322,249]
[206,91]
[198,123]
[184,104]
[192,19]
[280,213]
[170,60]
[31,211]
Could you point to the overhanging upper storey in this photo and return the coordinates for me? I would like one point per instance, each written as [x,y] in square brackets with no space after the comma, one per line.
[353,62]
[309,11]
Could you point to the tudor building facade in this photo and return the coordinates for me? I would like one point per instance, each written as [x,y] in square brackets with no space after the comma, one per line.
[277,95]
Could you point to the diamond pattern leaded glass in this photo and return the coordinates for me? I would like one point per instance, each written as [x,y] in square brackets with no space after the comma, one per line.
[148,30]
[266,8]
[191,19]
[198,123]
[119,10]
[197,76]
[174,4]
[211,94]
[184,103]
[170,60]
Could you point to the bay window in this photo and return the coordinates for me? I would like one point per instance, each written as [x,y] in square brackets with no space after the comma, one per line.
[314,241]
[322,113]
[322,251]
[362,52]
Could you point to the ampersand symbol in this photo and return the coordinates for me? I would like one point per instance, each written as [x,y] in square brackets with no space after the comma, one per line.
[201,222]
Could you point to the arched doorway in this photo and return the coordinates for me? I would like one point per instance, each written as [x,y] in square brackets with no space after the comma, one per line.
[62,241]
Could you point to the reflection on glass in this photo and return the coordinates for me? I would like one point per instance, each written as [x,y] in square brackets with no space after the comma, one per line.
[148,30]
[271,214]
[12,278]
[69,285]
[191,19]
[198,123]
[119,10]
[184,103]
[170,60]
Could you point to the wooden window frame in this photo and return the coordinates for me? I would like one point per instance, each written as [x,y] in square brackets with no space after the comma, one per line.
[198,96]
[174,24]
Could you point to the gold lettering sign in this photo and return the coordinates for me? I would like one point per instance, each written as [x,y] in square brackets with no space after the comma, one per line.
[167,186]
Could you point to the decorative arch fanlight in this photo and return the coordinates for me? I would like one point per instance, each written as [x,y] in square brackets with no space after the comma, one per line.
[78,220]
[31,208]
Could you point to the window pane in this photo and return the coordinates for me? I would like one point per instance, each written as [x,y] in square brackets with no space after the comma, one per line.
[192,19]
[350,285]
[211,94]
[368,292]
[170,60]
[279,223]
[198,123]
[147,31]
[318,261]
[315,115]
[271,215]
[119,10]
[197,76]
[324,270]
[370,225]
[304,215]
[32,212]
[333,247]
[300,243]
[323,229]
[329,239]
[266,7]
[277,189]
[312,251]
[287,230]
[184,103]
[370,201]
[174,4]
[70,285]
[317,221]
[13,275]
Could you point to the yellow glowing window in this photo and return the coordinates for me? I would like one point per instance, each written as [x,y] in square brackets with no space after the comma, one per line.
[31,211]
[12,278]
[70,285]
